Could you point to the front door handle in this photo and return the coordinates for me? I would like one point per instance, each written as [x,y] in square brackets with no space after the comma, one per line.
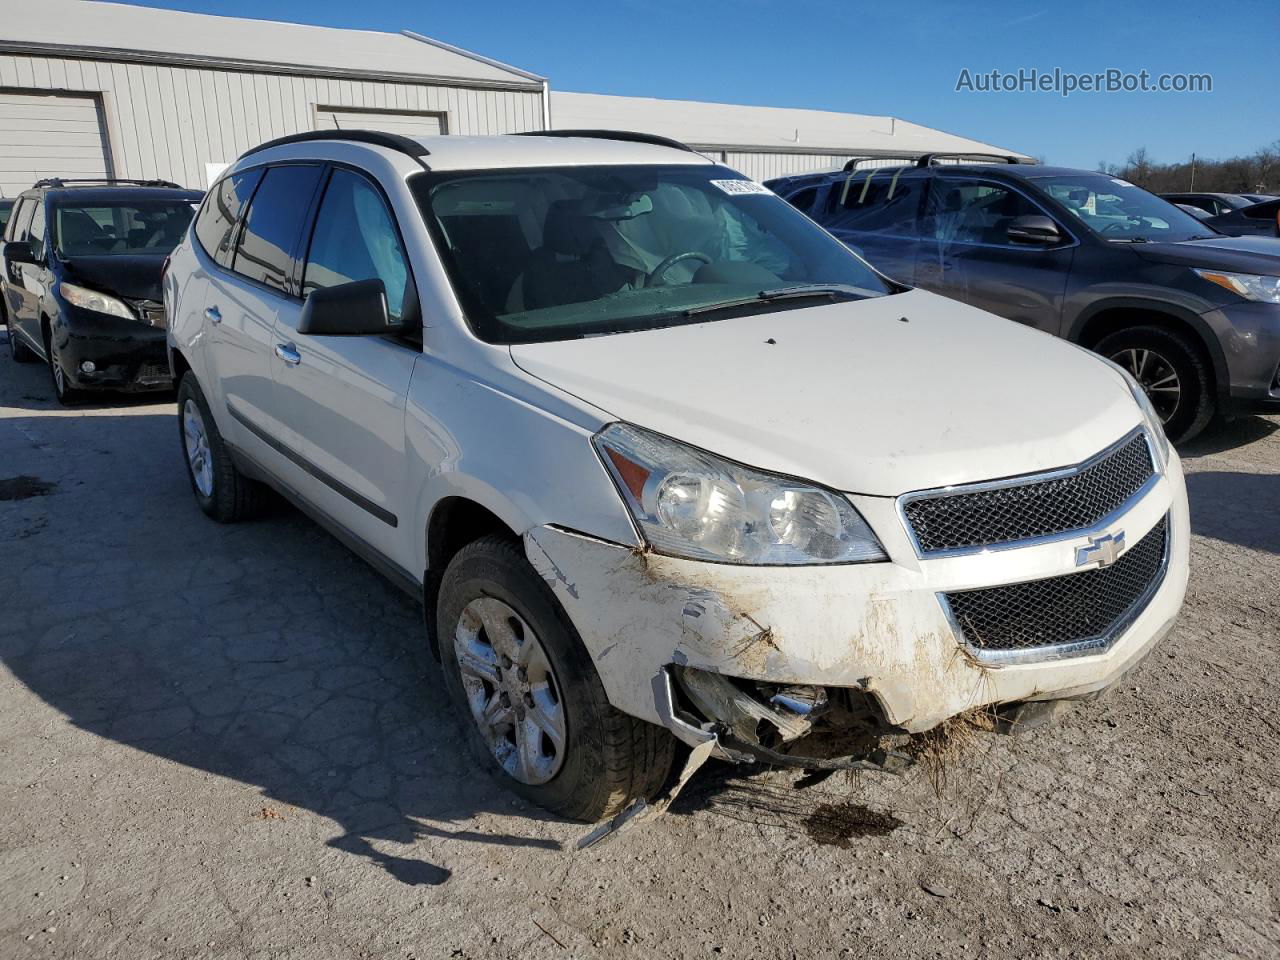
[213,314]
[288,353]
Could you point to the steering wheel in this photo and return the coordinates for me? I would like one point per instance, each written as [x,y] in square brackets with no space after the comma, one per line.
[655,276]
[1128,222]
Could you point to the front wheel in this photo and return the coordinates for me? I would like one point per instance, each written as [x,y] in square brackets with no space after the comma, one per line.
[67,395]
[528,695]
[1173,373]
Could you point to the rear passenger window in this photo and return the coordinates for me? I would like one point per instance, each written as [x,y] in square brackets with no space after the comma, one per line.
[803,200]
[274,221]
[875,201]
[20,220]
[36,233]
[217,218]
[355,238]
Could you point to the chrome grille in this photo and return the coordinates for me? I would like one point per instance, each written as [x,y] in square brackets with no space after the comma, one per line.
[1085,609]
[1030,507]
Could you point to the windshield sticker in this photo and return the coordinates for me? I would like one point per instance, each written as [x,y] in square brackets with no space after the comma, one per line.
[739,188]
[1123,183]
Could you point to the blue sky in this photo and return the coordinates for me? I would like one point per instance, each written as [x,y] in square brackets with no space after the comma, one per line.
[899,59]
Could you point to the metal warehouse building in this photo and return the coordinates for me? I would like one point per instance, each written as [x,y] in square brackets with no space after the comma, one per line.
[92,89]
[763,142]
[97,89]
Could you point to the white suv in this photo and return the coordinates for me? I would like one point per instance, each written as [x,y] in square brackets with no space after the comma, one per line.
[663,460]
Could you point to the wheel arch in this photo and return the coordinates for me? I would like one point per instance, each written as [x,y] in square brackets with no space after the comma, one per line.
[178,365]
[1110,316]
[456,520]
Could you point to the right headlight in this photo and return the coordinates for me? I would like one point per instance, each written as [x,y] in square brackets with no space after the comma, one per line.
[693,504]
[1251,286]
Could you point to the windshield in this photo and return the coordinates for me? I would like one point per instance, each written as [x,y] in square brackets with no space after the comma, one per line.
[557,253]
[1118,210]
[132,227]
[6,210]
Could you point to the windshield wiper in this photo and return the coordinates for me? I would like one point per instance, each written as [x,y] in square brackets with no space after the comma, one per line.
[824,291]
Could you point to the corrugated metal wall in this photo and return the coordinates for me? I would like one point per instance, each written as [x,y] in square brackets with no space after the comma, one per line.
[170,121]
[765,166]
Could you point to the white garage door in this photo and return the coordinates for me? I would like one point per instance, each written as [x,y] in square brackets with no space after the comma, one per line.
[403,123]
[49,135]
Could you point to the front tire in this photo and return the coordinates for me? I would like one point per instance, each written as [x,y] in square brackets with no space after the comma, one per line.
[222,491]
[528,696]
[66,394]
[1176,377]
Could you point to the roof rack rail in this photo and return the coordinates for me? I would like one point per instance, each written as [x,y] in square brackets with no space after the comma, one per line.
[63,181]
[927,159]
[852,163]
[628,136]
[378,138]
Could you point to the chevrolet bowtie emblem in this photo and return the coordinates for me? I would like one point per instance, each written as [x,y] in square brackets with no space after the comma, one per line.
[1103,551]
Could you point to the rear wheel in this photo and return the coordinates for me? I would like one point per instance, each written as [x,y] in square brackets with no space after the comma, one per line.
[528,695]
[18,350]
[1176,377]
[222,491]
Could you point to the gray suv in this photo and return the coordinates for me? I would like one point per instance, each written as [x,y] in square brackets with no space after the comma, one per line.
[1192,314]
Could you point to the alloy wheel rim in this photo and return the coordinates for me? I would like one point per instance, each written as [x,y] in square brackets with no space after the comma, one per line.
[1156,375]
[196,441]
[59,375]
[511,689]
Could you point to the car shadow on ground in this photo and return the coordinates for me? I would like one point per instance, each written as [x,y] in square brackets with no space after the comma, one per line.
[261,652]
[1221,437]
[1238,508]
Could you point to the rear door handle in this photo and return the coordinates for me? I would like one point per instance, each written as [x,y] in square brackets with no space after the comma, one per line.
[213,314]
[288,353]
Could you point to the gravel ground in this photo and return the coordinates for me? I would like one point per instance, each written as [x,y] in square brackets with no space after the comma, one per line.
[228,742]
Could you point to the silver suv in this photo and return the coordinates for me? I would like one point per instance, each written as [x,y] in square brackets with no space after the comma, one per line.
[662,459]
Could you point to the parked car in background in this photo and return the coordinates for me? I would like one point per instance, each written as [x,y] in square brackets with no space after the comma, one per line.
[1194,315]
[1198,212]
[1214,204]
[81,280]
[676,465]
[1257,220]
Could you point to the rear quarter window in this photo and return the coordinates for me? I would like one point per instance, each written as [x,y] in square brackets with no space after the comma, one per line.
[221,210]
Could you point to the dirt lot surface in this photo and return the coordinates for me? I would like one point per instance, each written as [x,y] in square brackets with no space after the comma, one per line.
[229,742]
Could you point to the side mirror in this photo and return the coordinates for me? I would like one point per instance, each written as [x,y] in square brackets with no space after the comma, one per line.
[1033,228]
[18,251]
[351,309]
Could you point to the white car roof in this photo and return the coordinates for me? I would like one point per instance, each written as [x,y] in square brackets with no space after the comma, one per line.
[497,152]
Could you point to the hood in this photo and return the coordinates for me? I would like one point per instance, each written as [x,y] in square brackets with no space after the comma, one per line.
[878,396]
[1234,254]
[134,278]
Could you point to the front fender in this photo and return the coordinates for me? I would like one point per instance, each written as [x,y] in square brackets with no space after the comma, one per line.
[527,465]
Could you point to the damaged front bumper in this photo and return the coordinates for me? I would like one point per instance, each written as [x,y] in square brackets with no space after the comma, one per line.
[874,639]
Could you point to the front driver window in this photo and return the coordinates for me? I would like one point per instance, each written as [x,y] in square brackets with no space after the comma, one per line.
[962,211]
[356,239]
